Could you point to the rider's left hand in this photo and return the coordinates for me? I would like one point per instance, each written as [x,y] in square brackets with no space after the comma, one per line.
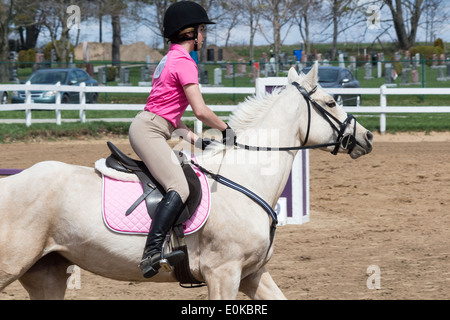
[228,137]
[203,143]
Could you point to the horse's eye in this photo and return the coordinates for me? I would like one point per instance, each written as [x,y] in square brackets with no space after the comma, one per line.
[331,103]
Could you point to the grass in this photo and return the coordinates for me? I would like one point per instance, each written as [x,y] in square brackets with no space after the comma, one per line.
[97,129]
[46,131]
[407,122]
[395,122]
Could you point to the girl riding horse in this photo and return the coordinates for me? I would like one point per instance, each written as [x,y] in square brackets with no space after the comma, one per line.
[175,86]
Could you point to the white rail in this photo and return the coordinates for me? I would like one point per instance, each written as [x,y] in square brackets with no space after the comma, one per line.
[382,109]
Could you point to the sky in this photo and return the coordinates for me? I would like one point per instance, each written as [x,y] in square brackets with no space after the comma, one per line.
[133,32]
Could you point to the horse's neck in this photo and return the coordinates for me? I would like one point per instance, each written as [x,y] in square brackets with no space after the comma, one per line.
[270,174]
[264,172]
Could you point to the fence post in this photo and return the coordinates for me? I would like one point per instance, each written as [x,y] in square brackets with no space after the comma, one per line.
[83,102]
[234,81]
[423,75]
[383,105]
[198,127]
[28,102]
[58,103]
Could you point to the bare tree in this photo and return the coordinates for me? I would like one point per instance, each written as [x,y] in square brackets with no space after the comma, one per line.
[250,12]
[279,13]
[99,9]
[116,9]
[231,18]
[55,18]
[215,11]
[340,12]
[306,9]
[28,22]
[6,16]
[56,22]
[436,15]
[406,29]
[150,13]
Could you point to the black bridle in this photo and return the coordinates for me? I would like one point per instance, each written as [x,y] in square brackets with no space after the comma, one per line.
[346,142]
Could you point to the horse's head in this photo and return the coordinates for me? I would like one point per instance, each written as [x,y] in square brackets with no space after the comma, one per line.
[329,123]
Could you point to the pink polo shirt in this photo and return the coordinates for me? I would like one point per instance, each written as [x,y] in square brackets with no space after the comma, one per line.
[167,98]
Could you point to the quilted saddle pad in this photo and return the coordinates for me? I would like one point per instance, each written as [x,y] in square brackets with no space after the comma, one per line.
[118,196]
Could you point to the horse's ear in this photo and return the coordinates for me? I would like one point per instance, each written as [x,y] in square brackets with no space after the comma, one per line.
[293,75]
[313,74]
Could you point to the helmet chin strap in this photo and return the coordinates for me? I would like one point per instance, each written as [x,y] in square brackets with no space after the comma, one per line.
[195,38]
[195,44]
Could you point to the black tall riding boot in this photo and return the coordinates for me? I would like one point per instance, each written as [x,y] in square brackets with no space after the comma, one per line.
[165,216]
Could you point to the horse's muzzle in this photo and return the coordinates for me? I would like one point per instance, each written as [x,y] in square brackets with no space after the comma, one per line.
[363,146]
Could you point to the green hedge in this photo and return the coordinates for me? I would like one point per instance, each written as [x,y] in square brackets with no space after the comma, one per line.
[428,51]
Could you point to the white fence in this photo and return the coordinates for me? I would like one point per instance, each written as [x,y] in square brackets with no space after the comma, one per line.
[382,109]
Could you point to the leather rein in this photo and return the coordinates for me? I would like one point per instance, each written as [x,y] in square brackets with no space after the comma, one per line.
[346,142]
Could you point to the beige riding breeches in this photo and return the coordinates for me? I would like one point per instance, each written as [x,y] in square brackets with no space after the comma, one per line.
[148,136]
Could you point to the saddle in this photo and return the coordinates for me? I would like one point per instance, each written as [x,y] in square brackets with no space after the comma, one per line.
[153,191]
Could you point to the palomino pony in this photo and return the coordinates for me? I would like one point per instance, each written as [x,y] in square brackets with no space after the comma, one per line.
[50,214]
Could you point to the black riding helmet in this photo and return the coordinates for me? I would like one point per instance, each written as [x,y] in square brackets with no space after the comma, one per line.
[183,14]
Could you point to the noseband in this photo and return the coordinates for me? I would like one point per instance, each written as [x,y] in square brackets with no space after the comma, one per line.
[344,141]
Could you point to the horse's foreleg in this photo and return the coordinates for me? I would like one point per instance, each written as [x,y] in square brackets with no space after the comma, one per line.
[46,279]
[261,286]
[223,282]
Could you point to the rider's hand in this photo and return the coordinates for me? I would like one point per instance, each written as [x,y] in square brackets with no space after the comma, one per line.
[228,137]
[202,143]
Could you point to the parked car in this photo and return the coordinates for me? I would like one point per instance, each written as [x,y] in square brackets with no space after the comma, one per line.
[3,97]
[67,77]
[337,77]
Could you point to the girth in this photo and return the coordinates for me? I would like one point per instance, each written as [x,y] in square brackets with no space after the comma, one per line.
[153,191]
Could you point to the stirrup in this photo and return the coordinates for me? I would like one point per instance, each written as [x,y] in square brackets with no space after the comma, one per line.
[151,264]
[164,264]
[169,260]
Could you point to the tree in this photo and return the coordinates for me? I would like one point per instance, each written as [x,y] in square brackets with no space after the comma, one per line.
[304,12]
[100,11]
[250,13]
[117,39]
[151,14]
[6,16]
[28,21]
[436,16]
[400,9]
[116,9]
[56,23]
[59,22]
[231,19]
[339,11]
[279,13]
[215,13]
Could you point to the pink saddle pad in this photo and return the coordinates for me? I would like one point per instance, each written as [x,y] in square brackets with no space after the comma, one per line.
[118,196]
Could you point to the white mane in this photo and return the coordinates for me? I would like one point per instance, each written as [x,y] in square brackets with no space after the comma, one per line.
[250,112]
[253,110]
